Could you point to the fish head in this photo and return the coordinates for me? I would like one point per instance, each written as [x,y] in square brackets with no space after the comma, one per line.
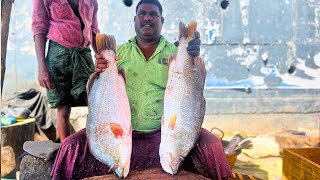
[122,165]
[122,171]
[122,151]
[171,163]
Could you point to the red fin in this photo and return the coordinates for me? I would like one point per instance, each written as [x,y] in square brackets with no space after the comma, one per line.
[116,129]
[172,121]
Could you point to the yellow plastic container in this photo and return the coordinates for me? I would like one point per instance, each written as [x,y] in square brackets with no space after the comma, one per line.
[301,163]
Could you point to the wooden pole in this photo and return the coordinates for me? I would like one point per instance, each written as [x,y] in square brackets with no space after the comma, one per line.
[6,6]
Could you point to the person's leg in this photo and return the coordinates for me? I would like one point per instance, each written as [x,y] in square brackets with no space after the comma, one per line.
[63,122]
[207,158]
[145,150]
[58,62]
[74,160]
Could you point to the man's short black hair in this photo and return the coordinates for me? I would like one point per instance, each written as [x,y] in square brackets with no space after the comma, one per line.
[155,2]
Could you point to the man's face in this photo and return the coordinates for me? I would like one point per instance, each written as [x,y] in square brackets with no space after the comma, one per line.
[148,22]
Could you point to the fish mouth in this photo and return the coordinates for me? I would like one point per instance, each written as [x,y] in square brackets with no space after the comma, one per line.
[121,172]
[175,163]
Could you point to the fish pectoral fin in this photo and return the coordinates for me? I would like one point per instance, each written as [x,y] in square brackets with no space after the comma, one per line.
[123,74]
[172,121]
[90,81]
[116,130]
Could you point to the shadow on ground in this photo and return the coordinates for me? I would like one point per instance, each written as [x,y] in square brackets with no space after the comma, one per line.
[249,168]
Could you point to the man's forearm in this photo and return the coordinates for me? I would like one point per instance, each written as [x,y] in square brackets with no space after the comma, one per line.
[40,47]
[93,44]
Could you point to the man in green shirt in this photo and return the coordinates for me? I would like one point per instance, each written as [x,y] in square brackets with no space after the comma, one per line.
[144,60]
[146,79]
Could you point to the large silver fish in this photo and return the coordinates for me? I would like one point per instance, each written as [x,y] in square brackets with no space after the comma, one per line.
[108,124]
[184,104]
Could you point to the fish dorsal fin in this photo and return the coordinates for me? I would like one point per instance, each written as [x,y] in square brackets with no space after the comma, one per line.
[90,82]
[105,42]
[187,30]
[123,74]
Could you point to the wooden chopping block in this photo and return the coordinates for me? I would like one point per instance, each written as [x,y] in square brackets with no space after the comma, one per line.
[8,160]
[154,173]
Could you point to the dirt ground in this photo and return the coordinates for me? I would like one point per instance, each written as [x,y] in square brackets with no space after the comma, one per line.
[269,168]
[264,160]
[265,164]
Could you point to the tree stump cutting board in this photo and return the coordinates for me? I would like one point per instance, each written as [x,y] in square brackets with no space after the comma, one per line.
[154,173]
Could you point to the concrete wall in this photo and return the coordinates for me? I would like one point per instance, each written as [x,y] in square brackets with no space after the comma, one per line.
[262,56]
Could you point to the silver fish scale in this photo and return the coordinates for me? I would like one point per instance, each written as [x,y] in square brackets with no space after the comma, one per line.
[183,98]
[108,103]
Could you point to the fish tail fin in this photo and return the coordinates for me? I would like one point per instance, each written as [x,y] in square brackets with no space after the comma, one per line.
[91,79]
[100,42]
[192,28]
[183,30]
[187,30]
[105,42]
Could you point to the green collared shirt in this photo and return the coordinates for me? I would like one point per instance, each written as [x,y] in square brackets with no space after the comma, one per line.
[146,81]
